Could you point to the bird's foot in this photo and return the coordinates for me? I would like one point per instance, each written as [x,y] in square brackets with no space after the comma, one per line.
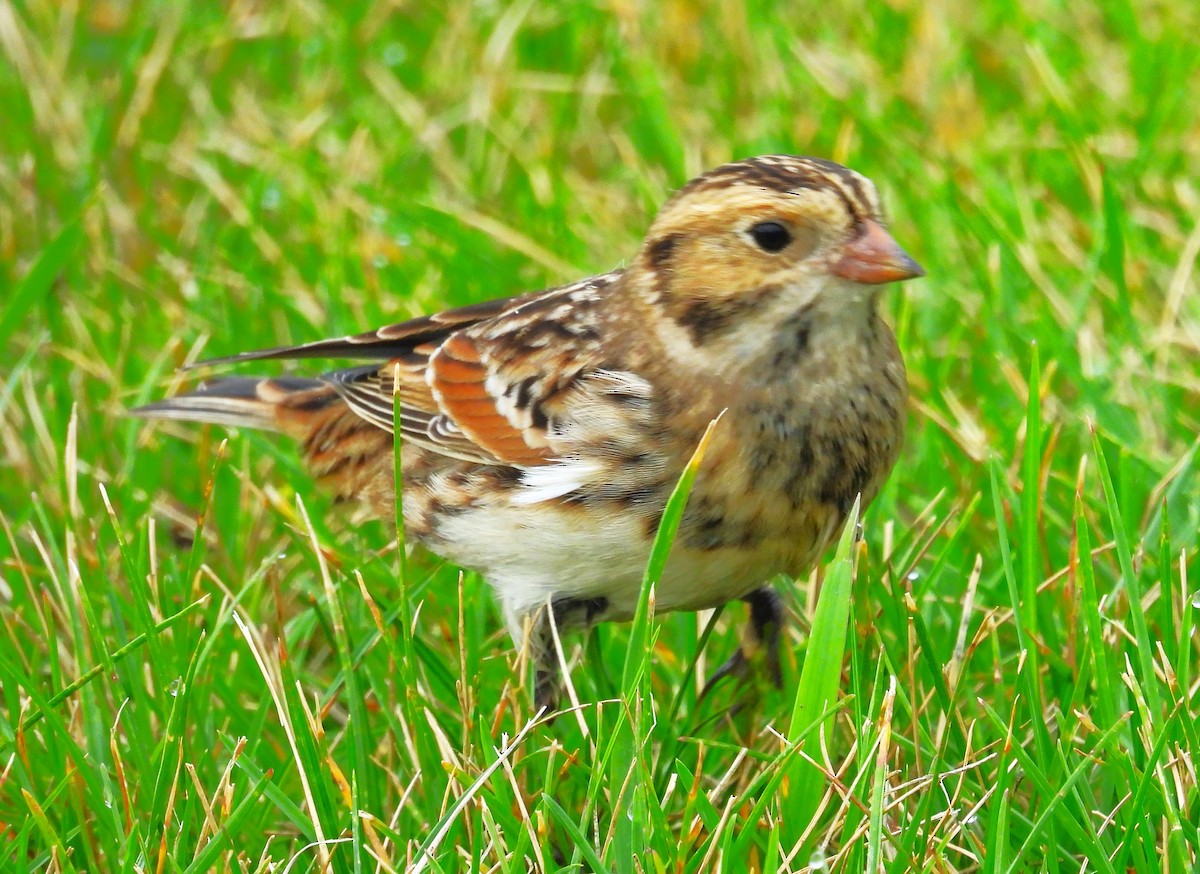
[567,612]
[763,632]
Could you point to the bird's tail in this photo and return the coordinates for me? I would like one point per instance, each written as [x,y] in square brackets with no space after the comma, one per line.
[277,404]
[345,453]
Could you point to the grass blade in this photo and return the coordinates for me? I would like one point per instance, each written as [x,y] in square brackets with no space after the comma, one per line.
[35,284]
[820,677]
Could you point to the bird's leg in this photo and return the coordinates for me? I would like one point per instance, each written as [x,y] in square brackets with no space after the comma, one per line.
[566,612]
[765,629]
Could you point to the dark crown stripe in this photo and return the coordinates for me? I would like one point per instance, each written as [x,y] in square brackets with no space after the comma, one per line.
[789,173]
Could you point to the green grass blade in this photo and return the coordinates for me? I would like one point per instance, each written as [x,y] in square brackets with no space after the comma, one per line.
[578,839]
[1054,800]
[875,827]
[49,834]
[820,677]
[631,772]
[117,654]
[637,656]
[1133,588]
[36,284]
[205,860]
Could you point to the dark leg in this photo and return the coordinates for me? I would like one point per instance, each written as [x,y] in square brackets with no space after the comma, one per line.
[766,624]
[765,629]
[568,613]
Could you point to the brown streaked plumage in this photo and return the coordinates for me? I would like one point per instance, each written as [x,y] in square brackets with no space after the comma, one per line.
[543,433]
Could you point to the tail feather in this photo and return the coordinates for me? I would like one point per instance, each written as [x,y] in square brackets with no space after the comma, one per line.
[243,402]
[345,452]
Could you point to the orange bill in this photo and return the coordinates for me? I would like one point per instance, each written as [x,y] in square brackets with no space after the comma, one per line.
[873,258]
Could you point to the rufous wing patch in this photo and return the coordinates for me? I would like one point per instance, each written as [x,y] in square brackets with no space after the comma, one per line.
[458,376]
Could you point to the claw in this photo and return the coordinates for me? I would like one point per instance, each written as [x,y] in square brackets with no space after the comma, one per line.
[763,630]
[737,665]
[565,612]
[545,690]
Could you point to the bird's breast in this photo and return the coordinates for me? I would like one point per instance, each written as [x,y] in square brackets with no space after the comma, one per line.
[792,454]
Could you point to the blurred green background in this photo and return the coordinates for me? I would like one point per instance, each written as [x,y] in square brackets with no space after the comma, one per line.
[182,180]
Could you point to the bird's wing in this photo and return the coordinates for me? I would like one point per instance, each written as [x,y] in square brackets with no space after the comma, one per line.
[488,383]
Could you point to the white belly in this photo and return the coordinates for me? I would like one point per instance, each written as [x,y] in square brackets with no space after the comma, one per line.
[534,554]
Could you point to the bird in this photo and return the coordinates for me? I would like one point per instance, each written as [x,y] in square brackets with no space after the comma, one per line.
[541,435]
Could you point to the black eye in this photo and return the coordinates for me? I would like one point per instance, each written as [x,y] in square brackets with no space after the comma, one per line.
[771,236]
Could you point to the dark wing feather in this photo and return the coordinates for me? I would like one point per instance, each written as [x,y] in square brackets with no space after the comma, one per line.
[390,341]
[368,392]
[483,383]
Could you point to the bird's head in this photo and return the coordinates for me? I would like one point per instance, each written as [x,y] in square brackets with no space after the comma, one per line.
[750,243]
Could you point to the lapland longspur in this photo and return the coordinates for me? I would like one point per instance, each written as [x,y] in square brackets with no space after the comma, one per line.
[542,434]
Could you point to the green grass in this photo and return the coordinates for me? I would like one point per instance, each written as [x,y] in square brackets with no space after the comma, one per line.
[198,672]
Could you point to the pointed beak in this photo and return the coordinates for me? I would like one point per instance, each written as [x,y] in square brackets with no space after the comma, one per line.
[873,258]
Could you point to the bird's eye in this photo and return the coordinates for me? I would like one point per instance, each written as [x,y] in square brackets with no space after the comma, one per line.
[771,236]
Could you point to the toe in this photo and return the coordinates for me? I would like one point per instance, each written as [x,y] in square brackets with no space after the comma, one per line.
[737,666]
